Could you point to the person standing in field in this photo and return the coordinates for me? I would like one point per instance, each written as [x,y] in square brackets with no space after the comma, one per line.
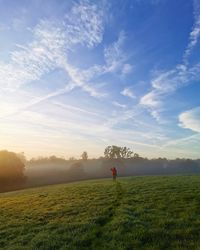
[114,173]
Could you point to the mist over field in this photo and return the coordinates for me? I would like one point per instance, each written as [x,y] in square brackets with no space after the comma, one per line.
[67,171]
[99,124]
[18,172]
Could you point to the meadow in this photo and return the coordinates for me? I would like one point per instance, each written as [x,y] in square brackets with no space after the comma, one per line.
[132,213]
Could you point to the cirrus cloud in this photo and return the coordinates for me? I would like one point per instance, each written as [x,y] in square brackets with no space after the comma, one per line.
[128,92]
[190,119]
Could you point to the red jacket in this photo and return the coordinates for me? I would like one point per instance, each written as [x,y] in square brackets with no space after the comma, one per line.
[114,171]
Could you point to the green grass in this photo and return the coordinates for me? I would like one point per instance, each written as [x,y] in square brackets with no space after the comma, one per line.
[133,213]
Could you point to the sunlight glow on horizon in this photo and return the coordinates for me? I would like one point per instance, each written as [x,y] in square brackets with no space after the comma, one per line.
[81,75]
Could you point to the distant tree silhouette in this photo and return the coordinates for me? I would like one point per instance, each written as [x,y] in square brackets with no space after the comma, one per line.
[72,158]
[115,152]
[76,171]
[84,156]
[136,156]
[11,171]
[47,160]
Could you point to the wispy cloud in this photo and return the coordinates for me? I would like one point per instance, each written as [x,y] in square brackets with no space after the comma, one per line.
[150,99]
[128,92]
[52,40]
[83,25]
[30,62]
[190,119]
[168,82]
[179,141]
[36,100]
[186,146]
[115,57]
[57,81]
[195,33]
[78,109]
[127,68]
[117,104]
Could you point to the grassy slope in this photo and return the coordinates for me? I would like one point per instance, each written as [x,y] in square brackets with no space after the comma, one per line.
[133,213]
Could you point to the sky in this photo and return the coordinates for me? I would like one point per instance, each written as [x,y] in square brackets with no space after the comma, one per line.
[82,75]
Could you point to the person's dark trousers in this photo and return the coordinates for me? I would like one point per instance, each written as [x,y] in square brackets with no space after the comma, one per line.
[114,177]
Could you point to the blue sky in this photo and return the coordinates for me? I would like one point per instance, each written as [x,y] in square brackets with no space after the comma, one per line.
[82,75]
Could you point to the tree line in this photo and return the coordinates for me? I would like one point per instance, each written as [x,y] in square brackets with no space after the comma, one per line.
[12,166]
[110,152]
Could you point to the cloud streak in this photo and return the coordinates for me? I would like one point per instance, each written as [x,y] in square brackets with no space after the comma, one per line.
[169,82]
[117,104]
[115,58]
[181,75]
[195,33]
[83,25]
[66,77]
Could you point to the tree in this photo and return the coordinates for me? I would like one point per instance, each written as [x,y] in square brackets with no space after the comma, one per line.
[22,157]
[84,156]
[126,152]
[11,171]
[136,156]
[115,152]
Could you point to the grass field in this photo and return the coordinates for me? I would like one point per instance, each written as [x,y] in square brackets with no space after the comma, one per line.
[133,213]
